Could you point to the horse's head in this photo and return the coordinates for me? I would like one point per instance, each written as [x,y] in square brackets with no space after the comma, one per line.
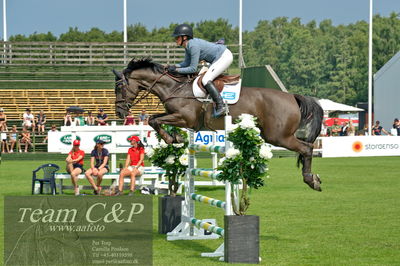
[146,75]
[139,75]
[125,93]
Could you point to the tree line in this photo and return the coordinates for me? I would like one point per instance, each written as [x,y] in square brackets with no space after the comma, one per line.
[315,59]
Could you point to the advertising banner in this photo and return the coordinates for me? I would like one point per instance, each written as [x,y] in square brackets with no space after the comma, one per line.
[208,137]
[360,146]
[77,230]
[116,138]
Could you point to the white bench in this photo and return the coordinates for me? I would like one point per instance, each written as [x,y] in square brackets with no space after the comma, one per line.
[152,176]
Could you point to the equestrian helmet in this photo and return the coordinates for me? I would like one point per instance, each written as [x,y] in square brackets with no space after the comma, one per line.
[183,30]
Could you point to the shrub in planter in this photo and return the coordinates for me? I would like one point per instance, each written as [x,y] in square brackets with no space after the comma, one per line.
[173,158]
[245,162]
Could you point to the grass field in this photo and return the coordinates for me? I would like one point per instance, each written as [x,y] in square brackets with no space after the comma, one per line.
[354,221]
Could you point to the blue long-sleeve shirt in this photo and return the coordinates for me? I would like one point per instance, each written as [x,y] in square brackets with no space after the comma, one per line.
[197,50]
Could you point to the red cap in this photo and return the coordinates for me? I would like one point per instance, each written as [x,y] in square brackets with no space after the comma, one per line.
[135,138]
[76,142]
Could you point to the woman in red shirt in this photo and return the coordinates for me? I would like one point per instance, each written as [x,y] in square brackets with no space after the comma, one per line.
[134,165]
[75,164]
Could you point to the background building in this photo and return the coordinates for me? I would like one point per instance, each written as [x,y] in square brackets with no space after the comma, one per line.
[387,92]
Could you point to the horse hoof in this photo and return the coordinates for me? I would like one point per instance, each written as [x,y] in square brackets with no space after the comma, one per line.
[317,177]
[317,187]
[313,181]
[169,139]
[316,182]
[179,139]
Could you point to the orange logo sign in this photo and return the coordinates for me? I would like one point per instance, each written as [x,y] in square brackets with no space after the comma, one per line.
[358,146]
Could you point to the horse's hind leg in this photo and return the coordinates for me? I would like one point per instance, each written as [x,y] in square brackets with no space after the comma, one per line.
[305,158]
[312,180]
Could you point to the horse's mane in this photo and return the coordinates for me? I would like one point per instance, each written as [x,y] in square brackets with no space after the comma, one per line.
[135,64]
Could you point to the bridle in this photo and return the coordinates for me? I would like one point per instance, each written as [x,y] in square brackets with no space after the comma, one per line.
[122,84]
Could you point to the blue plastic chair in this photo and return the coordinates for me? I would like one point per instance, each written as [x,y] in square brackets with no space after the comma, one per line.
[49,171]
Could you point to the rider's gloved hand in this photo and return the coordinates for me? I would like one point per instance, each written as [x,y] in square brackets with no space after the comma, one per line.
[171,68]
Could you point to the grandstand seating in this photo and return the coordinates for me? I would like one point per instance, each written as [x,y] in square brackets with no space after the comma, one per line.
[55,101]
[54,88]
[53,76]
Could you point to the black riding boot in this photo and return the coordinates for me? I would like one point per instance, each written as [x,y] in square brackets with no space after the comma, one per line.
[212,90]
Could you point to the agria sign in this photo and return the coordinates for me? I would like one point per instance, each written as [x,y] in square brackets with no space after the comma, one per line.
[104,137]
[67,139]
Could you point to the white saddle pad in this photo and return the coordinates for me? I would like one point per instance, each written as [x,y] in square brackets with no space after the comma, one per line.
[230,93]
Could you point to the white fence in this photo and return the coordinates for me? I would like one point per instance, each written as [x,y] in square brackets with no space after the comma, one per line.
[116,141]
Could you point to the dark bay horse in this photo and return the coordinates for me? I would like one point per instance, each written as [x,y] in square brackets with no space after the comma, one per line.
[286,120]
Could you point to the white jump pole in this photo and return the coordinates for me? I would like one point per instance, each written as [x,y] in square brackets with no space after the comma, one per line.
[228,187]
[125,33]
[370,122]
[5,38]
[241,61]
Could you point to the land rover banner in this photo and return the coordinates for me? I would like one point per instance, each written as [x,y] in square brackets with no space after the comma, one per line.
[77,230]
[115,142]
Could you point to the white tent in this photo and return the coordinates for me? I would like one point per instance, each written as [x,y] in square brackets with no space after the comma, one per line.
[331,106]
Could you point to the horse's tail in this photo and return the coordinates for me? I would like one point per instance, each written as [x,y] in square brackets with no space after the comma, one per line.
[311,120]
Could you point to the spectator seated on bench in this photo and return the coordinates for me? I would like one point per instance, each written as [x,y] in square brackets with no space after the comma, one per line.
[75,164]
[134,165]
[98,165]
[152,176]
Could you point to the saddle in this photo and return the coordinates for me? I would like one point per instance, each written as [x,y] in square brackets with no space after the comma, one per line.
[220,81]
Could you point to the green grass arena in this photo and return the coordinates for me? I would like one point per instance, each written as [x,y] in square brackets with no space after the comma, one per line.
[354,221]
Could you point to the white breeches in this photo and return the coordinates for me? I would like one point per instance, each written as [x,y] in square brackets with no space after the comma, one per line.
[218,67]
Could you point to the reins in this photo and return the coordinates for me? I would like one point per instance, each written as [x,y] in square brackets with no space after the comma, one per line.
[148,90]
[177,88]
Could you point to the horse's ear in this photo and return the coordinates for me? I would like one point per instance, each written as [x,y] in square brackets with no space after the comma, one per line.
[117,74]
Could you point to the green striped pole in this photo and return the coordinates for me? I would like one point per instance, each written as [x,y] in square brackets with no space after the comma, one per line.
[207,226]
[210,201]
[204,173]
[207,148]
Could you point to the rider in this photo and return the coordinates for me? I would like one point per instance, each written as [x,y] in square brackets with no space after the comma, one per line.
[196,50]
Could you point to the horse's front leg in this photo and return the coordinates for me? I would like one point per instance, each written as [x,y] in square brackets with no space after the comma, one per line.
[175,119]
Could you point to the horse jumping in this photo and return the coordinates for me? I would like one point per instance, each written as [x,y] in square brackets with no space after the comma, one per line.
[287,120]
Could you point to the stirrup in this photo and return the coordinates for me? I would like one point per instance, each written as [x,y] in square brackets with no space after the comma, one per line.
[219,113]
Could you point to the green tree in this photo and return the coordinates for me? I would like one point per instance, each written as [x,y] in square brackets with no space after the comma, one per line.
[138,33]
[214,30]
[95,35]
[73,35]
